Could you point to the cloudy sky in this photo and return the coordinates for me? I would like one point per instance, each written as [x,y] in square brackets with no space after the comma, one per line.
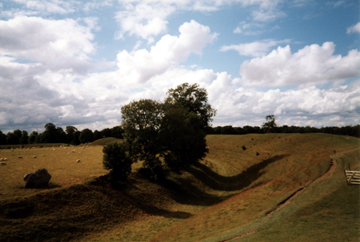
[77,62]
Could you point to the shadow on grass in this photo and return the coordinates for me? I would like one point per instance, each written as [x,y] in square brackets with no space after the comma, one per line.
[238,182]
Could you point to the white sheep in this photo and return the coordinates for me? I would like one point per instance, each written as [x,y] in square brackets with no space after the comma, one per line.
[34,156]
[77,161]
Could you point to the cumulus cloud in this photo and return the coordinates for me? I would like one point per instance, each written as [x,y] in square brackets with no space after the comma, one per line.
[354,29]
[311,65]
[148,18]
[34,39]
[254,49]
[169,51]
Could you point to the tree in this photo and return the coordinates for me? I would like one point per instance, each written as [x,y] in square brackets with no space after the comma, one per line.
[86,136]
[70,131]
[61,136]
[2,138]
[182,137]
[194,99]
[32,137]
[173,131]
[96,135]
[141,122]
[12,139]
[24,137]
[117,159]
[49,135]
[106,133]
[117,132]
[270,124]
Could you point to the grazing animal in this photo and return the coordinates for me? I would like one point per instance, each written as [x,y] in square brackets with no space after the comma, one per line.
[3,163]
[78,161]
[34,156]
[19,157]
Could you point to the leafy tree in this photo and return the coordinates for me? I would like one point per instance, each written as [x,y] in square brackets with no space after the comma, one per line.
[2,138]
[61,136]
[117,132]
[182,137]
[86,136]
[270,124]
[49,135]
[106,133]
[194,99]
[32,137]
[173,131]
[70,131]
[141,122]
[118,161]
[24,137]
[76,138]
[12,139]
[97,135]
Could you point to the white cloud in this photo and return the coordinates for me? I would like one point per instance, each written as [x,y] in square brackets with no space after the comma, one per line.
[254,49]
[48,6]
[57,44]
[141,65]
[148,18]
[354,29]
[311,65]
[144,20]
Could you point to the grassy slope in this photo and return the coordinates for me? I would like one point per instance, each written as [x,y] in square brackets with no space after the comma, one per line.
[192,206]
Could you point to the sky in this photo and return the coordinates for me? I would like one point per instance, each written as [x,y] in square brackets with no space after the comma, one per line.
[78,62]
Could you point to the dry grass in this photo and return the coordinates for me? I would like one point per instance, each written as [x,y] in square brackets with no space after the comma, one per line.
[59,161]
[229,194]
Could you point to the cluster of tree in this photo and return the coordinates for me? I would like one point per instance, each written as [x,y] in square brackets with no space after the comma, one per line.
[53,134]
[168,135]
[271,127]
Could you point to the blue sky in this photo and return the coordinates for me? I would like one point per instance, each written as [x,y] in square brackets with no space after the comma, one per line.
[77,62]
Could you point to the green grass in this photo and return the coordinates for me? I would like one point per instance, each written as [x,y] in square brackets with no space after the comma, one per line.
[228,194]
[105,141]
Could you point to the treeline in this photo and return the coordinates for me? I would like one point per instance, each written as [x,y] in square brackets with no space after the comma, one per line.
[345,130]
[71,135]
[53,134]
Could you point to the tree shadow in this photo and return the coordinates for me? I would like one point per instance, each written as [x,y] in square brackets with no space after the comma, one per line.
[233,183]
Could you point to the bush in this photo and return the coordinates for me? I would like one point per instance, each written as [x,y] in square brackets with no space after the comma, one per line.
[117,160]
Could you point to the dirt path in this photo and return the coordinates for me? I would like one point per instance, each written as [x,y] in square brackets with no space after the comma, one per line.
[288,200]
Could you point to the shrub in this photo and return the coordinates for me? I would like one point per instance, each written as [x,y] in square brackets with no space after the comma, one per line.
[117,160]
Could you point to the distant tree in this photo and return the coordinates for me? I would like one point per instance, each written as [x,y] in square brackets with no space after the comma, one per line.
[2,138]
[106,133]
[70,132]
[97,135]
[227,130]
[76,138]
[86,136]
[32,137]
[50,134]
[270,125]
[118,161]
[61,136]
[117,132]
[24,137]
[12,139]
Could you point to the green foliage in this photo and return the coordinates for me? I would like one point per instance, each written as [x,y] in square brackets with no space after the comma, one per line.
[86,136]
[270,125]
[194,99]
[173,132]
[32,137]
[117,160]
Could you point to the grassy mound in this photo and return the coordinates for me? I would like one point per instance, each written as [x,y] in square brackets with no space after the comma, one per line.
[105,141]
[232,192]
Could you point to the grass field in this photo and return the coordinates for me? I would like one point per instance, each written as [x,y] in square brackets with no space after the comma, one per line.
[234,191]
